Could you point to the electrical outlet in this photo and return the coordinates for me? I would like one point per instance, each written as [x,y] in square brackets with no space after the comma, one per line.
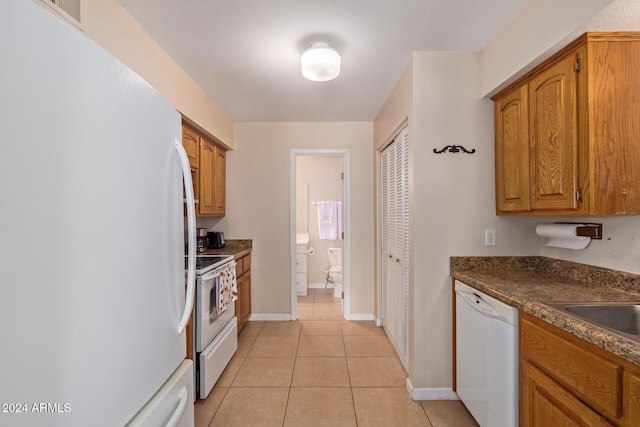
[490,237]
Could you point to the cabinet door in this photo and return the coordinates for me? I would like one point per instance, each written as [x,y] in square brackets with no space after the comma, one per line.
[512,151]
[190,143]
[597,381]
[206,172]
[632,398]
[240,302]
[301,263]
[553,148]
[247,295]
[545,403]
[614,131]
[219,182]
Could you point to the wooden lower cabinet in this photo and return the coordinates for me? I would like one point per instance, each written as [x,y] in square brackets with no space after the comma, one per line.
[243,278]
[632,391]
[545,403]
[566,381]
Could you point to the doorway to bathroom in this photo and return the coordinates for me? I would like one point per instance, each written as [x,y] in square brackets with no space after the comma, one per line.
[319,233]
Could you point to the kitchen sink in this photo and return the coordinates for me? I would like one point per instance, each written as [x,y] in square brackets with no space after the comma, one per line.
[622,318]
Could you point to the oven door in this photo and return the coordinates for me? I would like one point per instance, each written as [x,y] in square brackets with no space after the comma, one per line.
[208,321]
[215,357]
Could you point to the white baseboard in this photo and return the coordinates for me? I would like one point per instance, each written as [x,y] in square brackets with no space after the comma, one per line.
[436,393]
[361,316]
[269,317]
[286,316]
[320,285]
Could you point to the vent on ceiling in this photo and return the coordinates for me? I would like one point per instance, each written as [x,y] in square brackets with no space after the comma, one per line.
[69,9]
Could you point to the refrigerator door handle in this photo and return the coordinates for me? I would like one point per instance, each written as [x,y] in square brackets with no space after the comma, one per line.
[191,233]
[182,406]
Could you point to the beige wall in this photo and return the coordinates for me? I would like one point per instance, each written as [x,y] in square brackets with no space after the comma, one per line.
[396,110]
[454,200]
[258,204]
[107,23]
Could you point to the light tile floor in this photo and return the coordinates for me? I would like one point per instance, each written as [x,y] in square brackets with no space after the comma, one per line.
[319,373]
[319,304]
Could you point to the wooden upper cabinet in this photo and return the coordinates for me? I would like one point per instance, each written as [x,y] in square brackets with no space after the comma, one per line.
[212,179]
[553,140]
[191,144]
[219,182]
[614,123]
[208,166]
[512,151]
[581,108]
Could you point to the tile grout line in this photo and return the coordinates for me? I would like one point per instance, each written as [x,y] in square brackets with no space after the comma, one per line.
[295,362]
[346,357]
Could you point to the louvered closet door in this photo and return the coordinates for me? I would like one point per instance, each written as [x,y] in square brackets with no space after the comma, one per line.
[395,255]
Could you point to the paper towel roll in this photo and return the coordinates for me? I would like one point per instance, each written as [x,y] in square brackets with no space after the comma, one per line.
[563,236]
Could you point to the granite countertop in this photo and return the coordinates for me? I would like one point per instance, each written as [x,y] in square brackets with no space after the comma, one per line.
[528,282]
[236,247]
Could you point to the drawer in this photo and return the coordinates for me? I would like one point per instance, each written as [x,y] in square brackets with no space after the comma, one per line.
[301,263]
[547,403]
[301,283]
[595,380]
[239,266]
[243,265]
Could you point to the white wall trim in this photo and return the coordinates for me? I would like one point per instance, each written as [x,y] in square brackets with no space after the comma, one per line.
[269,317]
[362,316]
[346,227]
[432,393]
[320,285]
[435,393]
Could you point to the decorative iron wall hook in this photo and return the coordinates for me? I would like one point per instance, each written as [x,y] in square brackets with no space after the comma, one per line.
[454,149]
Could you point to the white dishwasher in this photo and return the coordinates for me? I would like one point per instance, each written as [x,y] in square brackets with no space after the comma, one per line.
[486,357]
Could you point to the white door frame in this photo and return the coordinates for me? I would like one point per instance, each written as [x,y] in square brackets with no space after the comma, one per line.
[346,227]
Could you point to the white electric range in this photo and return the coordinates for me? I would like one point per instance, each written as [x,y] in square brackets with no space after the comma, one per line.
[215,332]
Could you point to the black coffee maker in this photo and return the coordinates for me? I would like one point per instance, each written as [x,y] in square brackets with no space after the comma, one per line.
[216,239]
[202,239]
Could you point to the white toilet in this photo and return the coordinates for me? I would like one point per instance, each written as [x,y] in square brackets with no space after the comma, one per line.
[335,270]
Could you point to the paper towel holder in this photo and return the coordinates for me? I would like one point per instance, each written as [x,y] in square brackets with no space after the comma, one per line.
[593,230]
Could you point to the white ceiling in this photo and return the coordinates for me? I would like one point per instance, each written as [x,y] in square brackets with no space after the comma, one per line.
[246,53]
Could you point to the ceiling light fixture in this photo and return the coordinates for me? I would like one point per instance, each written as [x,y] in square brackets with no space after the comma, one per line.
[320,63]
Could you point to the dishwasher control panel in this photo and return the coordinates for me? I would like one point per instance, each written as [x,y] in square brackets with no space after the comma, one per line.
[479,304]
[486,304]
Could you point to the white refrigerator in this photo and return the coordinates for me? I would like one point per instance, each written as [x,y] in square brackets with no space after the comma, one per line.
[92,275]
